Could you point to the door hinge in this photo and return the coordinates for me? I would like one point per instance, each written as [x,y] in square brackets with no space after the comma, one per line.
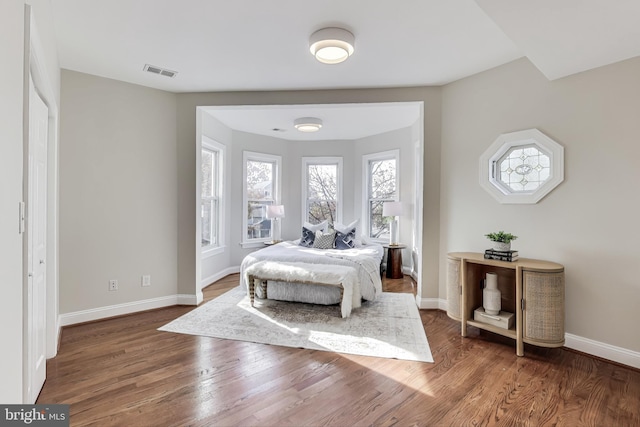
[522,305]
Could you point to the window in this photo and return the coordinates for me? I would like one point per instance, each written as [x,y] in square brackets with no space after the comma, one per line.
[261,189]
[211,180]
[322,189]
[522,167]
[381,180]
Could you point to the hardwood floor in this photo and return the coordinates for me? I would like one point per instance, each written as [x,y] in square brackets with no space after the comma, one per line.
[123,372]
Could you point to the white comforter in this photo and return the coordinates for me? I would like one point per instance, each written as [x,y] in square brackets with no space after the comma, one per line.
[364,259]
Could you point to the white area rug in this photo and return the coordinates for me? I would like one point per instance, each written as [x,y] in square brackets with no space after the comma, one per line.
[388,327]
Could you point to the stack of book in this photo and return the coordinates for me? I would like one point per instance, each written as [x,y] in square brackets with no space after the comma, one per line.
[501,255]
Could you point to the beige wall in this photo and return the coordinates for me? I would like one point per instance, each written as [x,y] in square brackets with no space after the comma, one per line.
[187,104]
[589,222]
[118,198]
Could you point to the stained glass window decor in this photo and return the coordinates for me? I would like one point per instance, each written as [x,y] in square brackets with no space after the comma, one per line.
[522,167]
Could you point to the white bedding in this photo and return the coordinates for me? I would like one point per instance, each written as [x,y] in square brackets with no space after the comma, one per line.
[365,260]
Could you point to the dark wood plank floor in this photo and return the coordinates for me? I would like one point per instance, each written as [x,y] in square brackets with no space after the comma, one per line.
[123,372]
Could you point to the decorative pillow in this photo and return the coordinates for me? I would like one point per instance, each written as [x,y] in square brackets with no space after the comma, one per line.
[346,240]
[308,237]
[324,240]
[321,226]
[346,235]
[309,233]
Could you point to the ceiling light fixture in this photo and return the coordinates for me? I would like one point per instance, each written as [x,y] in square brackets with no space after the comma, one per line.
[307,124]
[332,45]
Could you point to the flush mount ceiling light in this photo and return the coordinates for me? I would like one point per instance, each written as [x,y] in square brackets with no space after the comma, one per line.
[307,124]
[331,45]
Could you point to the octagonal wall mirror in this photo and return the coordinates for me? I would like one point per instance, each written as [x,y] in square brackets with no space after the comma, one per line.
[522,167]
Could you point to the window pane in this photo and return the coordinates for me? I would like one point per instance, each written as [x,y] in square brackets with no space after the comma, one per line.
[524,168]
[207,175]
[383,179]
[322,193]
[259,180]
[209,230]
[319,210]
[378,226]
[382,188]
[258,226]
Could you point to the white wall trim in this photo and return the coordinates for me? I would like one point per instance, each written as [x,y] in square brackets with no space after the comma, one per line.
[605,351]
[431,303]
[75,317]
[186,299]
[219,275]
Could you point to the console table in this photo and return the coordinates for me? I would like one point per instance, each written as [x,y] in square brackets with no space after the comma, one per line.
[532,289]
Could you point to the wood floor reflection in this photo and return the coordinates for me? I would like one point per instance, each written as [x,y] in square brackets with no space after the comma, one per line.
[123,372]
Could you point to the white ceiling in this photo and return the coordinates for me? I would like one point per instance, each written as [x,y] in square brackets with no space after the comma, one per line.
[241,45]
[340,121]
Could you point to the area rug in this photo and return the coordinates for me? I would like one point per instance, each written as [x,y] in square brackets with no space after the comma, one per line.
[388,327]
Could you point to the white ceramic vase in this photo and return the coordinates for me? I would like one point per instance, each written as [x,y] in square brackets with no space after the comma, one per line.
[491,297]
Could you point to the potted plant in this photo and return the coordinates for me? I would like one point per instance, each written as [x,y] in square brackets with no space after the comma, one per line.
[501,240]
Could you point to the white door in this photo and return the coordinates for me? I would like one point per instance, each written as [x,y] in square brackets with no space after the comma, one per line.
[36,338]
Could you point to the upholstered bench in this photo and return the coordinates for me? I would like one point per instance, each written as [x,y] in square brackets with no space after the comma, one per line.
[339,276]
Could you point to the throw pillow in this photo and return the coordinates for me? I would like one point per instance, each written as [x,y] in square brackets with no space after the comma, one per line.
[346,235]
[346,240]
[309,233]
[324,240]
[321,226]
[308,237]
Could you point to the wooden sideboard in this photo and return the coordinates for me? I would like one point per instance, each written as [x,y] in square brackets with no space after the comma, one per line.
[531,289]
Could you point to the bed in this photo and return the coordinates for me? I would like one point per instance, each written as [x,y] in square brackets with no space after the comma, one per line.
[364,259]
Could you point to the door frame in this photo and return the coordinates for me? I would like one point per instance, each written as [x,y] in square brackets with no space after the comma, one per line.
[34,64]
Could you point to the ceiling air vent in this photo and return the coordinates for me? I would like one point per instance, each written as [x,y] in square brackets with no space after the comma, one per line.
[157,70]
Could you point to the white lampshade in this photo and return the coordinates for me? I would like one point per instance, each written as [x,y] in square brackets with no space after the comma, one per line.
[332,45]
[392,209]
[307,124]
[275,211]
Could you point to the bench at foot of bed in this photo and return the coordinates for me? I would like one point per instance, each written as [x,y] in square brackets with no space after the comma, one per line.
[298,272]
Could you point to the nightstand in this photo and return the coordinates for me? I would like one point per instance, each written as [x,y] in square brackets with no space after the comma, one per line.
[394,261]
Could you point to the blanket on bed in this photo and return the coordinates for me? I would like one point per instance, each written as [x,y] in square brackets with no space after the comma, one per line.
[365,260]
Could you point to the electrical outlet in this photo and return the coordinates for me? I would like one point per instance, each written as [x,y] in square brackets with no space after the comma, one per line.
[146,280]
[113,285]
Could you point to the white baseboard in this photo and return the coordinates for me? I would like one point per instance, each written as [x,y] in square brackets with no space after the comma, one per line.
[126,308]
[605,351]
[219,275]
[431,303]
[574,342]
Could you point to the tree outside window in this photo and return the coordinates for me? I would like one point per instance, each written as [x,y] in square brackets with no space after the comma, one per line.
[322,190]
[261,172]
[382,186]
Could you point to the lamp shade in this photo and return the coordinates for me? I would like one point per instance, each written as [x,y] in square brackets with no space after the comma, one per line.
[275,211]
[392,209]
[332,45]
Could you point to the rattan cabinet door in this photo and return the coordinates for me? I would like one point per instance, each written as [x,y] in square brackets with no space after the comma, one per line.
[453,288]
[543,318]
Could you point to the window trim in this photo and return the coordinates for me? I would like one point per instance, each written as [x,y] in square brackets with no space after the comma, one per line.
[212,145]
[306,161]
[508,141]
[366,184]
[258,157]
